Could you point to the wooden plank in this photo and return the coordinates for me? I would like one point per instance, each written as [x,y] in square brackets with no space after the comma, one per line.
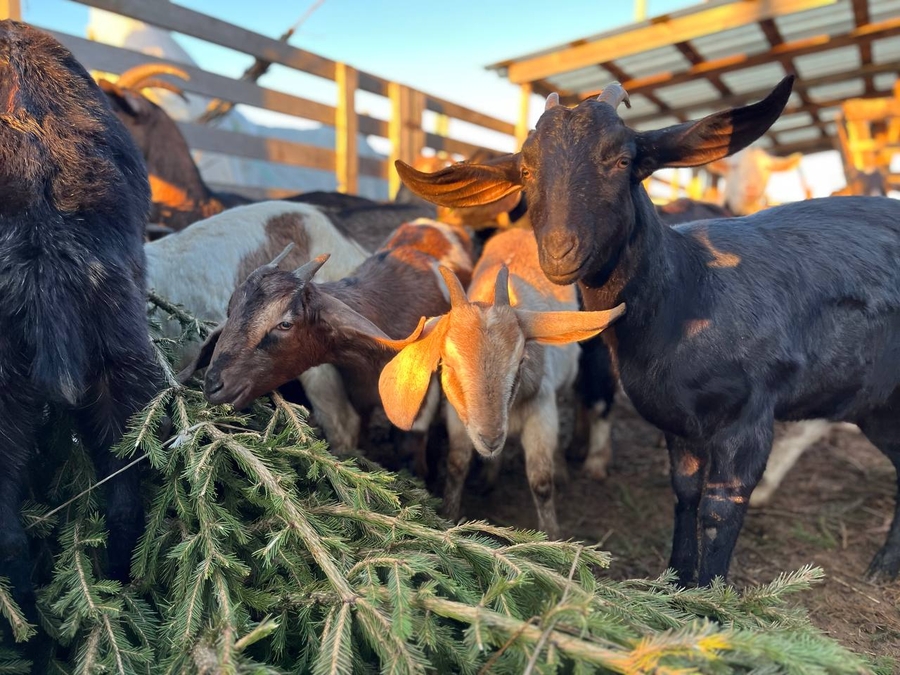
[402,117]
[370,126]
[453,146]
[443,107]
[812,45]
[11,9]
[257,147]
[753,96]
[523,125]
[169,16]
[417,133]
[657,34]
[106,58]
[346,125]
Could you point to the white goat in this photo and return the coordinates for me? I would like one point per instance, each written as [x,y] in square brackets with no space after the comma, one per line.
[497,375]
[201,266]
[747,176]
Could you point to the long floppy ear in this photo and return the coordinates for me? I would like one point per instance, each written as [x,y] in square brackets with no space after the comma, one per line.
[788,163]
[347,321]
[465,183]
[404,381]
[204,356]
[711,138]
[559,328]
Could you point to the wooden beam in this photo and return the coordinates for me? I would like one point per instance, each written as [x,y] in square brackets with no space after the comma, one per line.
[812,45]
[444,107]
[757,94]
[11,9]
[687,50]
[346,127]
[523,125]
[660,33]
[622,76]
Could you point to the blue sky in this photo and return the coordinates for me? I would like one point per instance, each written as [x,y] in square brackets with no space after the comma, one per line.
[437,47]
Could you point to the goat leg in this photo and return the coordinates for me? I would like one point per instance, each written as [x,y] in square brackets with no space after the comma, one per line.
[688,466]
[459,459]
[737,461]
[539,440]
[882,428]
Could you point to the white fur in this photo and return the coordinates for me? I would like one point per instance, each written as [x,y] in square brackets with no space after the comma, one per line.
[198,268]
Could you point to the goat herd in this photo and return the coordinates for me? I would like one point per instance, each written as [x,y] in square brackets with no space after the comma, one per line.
[716,327]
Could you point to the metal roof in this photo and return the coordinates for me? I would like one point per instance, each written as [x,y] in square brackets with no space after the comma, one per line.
[731,52]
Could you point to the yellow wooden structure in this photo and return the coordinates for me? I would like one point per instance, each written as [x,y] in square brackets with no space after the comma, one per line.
[869,135]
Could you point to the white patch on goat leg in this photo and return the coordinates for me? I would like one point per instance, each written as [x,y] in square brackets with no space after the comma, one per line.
[539,440]
[792,441]
[339,420]
[599,456]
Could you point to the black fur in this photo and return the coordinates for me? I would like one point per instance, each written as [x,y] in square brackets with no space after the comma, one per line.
[73,328]
[792,313]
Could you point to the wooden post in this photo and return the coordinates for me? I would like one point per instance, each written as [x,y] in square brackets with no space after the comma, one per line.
[346,125]
[11,9]
[400,131]
[522,125]
[442,128]
[640,10]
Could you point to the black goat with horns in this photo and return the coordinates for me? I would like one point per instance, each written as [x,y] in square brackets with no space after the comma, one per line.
[792,313]
[73,326]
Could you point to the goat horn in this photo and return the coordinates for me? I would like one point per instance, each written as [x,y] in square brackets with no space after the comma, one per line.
[156,83]
[133,78]
[304,273]
[614,94]
[552,101]
[457,293]
[501,287]
[281,256]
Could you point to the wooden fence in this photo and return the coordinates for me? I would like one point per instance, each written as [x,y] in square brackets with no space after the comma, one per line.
[405,130]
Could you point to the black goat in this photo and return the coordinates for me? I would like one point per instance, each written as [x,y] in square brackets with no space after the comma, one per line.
[792,313]
[73,327]
[181,197]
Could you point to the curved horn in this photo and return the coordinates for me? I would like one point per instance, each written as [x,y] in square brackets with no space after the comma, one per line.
[156,83]
[501,287]
[304,273]
[552,101]
[614,94]
[133,78]
[457,293]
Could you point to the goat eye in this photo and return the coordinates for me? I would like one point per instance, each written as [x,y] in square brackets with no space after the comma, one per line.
[526,173]
[624,162]
[285,325]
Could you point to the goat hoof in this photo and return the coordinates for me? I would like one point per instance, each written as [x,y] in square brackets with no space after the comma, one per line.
[885,565]
[596,468]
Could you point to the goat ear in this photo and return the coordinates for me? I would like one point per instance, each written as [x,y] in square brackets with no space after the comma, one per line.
[559,328]
[788,163]
[465,183]
[404,381]
[342,319]
[711,138]
[204,356]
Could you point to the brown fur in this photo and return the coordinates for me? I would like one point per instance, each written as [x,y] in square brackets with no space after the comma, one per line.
[346,323]
[281,230]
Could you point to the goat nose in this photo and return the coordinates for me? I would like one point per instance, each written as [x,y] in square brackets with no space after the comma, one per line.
[558,245]
[493,444]
[212,385]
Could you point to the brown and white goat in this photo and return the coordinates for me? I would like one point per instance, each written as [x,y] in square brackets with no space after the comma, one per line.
[505,352]
[280,324]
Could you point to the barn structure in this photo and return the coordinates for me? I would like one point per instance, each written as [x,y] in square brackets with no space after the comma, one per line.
[723,53]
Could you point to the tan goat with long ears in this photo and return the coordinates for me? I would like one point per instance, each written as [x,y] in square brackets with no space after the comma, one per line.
[505,350]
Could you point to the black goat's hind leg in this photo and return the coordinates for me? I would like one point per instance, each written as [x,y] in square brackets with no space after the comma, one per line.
[737,463]
[123,390]
[882,427]
[18,418]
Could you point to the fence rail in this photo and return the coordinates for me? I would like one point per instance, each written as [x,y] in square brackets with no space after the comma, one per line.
[404,129]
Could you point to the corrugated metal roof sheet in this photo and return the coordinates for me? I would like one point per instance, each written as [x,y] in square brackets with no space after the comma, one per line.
[825,74]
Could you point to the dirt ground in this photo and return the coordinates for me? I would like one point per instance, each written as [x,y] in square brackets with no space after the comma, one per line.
[832,510]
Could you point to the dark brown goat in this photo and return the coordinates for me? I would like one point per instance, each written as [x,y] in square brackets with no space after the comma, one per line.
[73,324]
[791,313]
[280,324]
[179,195]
